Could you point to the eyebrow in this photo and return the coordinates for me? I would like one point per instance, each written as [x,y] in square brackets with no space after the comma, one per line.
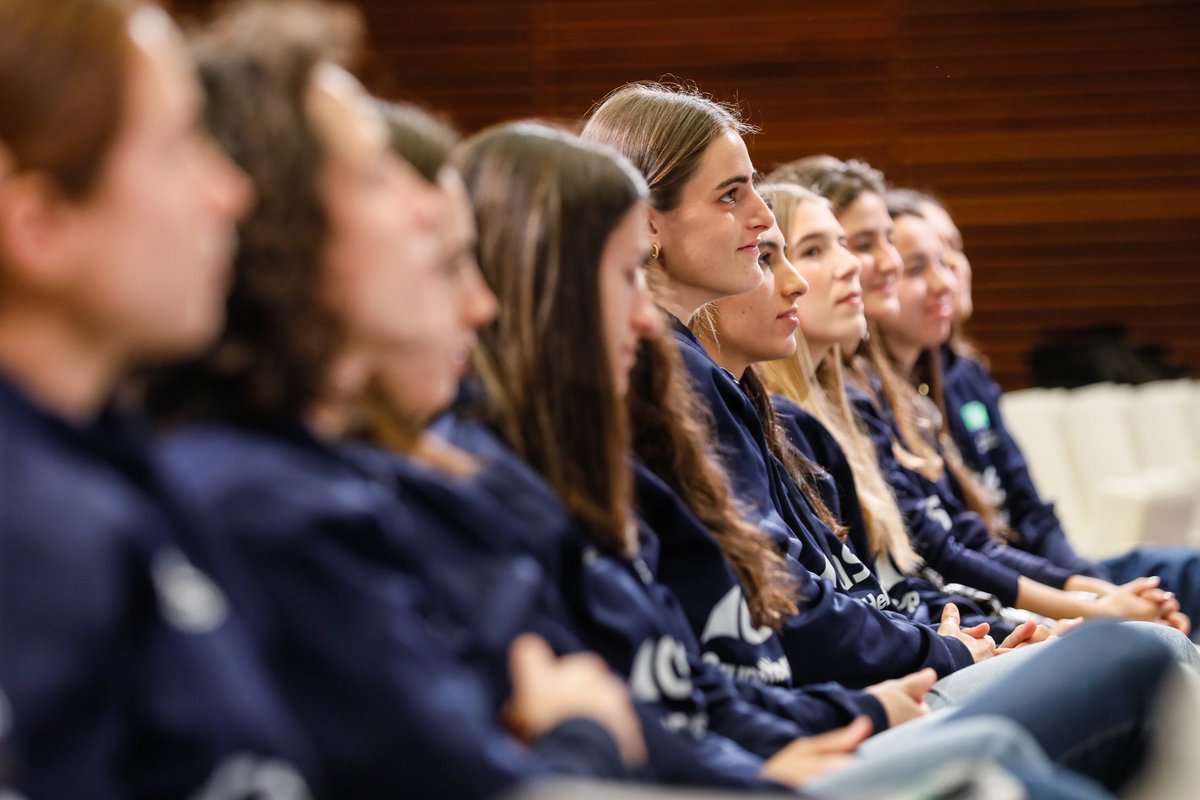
[767,243]
[740,180]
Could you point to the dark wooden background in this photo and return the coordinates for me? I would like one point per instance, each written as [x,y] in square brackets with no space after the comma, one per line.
[1063,134]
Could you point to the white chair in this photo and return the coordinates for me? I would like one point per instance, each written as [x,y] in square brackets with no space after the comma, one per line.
[1163,428]
[1036,420]
[1128,502]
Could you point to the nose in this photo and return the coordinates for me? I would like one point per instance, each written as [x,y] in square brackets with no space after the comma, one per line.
[479,304]
[887,259]
[941,280]
[230,189]
[760,215]
[791,283]
[848,266]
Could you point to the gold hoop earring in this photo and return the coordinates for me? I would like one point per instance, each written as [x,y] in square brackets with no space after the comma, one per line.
[655,250]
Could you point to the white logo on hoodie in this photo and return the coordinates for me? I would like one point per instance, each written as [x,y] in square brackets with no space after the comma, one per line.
[731,617]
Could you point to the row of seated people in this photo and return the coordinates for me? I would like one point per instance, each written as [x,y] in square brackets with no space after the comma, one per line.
[474,464]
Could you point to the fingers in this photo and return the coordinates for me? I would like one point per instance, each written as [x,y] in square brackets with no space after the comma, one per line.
[918,683]
[1065,626]
[845,739]
[950,620]
[1169,605]
[977,631]
[1139,585]
[1180,622]
[1021,634]
[1040,634]
[529,658]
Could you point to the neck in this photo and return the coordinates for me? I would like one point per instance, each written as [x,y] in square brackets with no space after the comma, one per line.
[65,369]
[818,352]
[905,356]
[331,415]
[735,363]
[682,301]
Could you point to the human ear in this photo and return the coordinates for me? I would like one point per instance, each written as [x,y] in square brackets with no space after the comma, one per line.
[37,229]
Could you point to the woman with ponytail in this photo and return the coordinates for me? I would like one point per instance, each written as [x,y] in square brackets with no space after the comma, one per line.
[573,310]
[706,223]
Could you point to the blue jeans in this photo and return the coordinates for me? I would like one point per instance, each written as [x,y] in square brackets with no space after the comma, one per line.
[907,759]
[1088,700]
[1179,568]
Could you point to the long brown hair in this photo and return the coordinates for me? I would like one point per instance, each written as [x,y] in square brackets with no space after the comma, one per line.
[706,325]
[545,205]
[664,131]
[271,360]
[926,385]
[671,438]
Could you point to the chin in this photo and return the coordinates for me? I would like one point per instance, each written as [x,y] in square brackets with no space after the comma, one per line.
[884,311]
[784,351]
[183,341]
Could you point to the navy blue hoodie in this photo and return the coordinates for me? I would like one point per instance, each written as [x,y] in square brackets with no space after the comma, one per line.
[636,622]
[364,659]
[837,636]
[500,556]
[915,596]
[126,672]
[690,562]
[977,428]
[951,539]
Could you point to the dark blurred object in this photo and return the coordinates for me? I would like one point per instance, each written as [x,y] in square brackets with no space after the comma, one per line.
[1093,355]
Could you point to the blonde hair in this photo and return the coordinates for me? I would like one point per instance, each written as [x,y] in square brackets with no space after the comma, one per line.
[822,392]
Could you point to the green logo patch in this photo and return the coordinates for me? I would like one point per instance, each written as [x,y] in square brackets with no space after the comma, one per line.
[975,416]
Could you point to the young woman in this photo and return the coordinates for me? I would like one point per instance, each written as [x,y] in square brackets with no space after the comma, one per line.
[954,540]
[572,319]
[922,322]
[124,671]
[970,402]
[684,144]
[344,260]
[833,315]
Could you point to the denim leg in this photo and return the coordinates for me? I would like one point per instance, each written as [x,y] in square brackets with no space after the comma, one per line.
[1087,700]
[1182,648]
[895,760]
[959,687]
[1179,568]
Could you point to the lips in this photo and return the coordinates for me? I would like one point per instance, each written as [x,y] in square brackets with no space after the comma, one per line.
[942,310]
[790,317]
[460,359]
[886,286]
[851,299]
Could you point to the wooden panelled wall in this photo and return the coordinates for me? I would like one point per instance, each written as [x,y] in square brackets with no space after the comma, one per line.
[1063,134]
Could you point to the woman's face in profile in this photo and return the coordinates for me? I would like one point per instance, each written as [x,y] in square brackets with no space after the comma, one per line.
[154,239]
